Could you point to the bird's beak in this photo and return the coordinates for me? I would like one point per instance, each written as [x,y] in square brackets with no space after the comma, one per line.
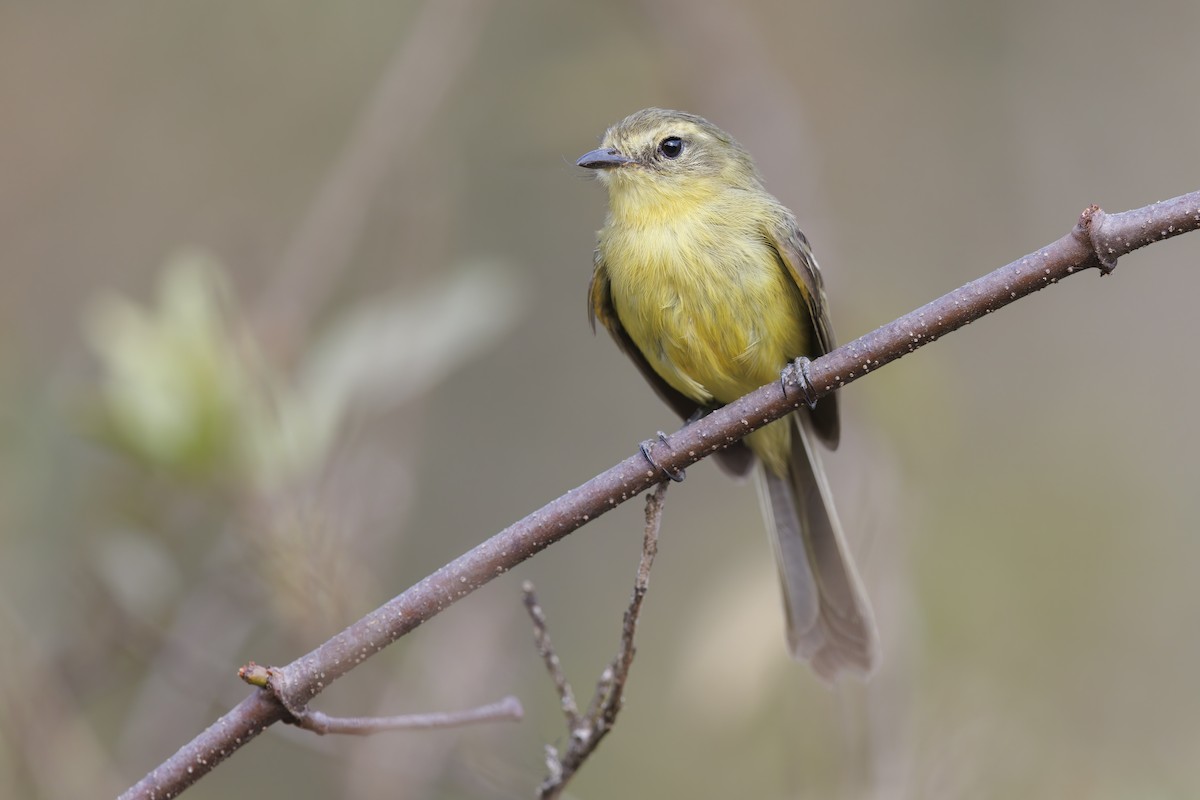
[604,158]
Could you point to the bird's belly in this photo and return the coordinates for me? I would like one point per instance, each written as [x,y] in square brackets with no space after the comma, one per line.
[713,329]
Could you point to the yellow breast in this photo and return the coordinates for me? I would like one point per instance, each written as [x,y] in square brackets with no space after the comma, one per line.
[705,299]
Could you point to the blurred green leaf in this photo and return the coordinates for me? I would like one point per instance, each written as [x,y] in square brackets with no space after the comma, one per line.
[174,385]
[382,352]
[185,389]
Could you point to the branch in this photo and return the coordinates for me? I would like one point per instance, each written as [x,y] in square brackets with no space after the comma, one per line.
[541,637]
[1097,240]
[507,709]
[584,733]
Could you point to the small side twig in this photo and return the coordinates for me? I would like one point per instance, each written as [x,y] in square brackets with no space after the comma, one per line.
[507,709]
[545,648]
[586,731]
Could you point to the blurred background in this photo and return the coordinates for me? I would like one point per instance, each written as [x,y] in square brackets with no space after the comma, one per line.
[293,312]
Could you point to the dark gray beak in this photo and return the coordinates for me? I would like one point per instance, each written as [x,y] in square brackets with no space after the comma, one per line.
[604,158]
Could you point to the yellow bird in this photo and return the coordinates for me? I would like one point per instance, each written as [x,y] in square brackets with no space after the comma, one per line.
[706,282]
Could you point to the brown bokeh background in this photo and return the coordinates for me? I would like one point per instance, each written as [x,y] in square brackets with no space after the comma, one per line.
[1021,495]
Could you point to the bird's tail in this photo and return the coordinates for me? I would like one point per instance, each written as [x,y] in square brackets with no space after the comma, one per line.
[829,621]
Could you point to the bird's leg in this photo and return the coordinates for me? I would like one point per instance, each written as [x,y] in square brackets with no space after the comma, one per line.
[679,474]
[796,373]
[675,475]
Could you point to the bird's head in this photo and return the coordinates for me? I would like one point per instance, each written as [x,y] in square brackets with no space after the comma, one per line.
[659,157]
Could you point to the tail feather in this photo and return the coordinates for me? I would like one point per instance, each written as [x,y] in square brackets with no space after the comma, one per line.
[828,617]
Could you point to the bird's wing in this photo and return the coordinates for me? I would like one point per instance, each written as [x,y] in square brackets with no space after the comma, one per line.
[796,255]
[737,458]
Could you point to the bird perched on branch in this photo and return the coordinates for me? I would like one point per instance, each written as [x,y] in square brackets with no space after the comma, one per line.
[706,282]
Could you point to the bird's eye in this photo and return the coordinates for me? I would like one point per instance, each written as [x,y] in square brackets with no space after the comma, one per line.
[671,147]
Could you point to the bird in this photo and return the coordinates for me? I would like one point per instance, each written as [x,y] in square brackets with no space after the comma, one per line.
[706,282]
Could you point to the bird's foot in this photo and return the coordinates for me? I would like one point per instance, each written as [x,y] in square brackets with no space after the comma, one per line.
[675,475]
[796,374]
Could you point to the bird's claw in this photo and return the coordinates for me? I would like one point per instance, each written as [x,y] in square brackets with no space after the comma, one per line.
[797,373]
[675,475]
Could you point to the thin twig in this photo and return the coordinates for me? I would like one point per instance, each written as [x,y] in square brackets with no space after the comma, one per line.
[545,649]
[507,709]
[586,733]
[1095,242]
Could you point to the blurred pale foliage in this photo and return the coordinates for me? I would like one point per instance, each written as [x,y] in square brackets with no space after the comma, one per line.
[177,391]
[183,389]
[380,354]
[187,484]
